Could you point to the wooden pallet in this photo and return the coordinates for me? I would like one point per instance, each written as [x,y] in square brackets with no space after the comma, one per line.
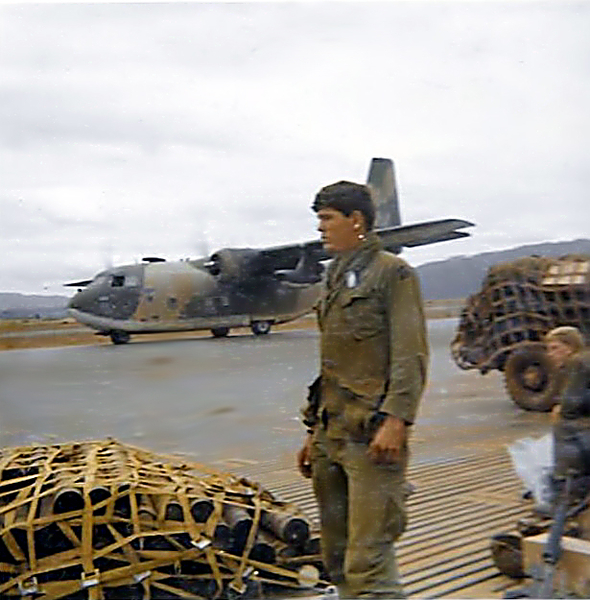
[459,503]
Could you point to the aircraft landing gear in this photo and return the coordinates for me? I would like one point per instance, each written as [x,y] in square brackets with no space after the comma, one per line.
[260,327]
[220,332]
[119,337]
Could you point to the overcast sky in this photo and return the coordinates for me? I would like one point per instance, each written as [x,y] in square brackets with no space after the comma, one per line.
[129,130]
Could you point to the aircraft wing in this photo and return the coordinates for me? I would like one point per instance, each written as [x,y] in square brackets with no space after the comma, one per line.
[393,238]
[421,234]
[82,283]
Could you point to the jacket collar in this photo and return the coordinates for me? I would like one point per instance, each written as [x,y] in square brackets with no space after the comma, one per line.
[355,260]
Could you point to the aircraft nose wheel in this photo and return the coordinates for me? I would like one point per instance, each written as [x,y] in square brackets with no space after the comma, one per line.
[260,327]
[119,337]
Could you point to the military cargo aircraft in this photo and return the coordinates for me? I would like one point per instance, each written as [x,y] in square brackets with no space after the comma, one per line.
[236,287]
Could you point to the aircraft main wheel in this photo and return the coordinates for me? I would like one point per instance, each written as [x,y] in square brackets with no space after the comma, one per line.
[119,337]
[529,379]
[219,332]
[260,327]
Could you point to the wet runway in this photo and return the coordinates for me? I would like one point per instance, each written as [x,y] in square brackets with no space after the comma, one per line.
[222,398]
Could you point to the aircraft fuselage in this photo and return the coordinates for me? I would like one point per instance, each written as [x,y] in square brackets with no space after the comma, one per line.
[238,287]
[174,296]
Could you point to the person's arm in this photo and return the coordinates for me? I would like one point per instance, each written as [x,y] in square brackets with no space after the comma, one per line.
[408,357]
[304,457]
[310,417]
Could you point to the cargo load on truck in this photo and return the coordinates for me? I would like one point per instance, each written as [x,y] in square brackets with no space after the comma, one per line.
[503,325]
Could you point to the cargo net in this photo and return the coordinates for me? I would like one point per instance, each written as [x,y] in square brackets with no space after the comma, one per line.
[519,302]
[102,520]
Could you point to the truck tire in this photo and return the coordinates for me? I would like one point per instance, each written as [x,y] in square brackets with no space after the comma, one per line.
[529,378]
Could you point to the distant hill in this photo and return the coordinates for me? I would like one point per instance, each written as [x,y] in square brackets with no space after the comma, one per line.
[461,276]
[456,277]
[24,306]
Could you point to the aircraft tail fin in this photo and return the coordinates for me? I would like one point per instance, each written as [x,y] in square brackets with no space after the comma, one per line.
[381,180]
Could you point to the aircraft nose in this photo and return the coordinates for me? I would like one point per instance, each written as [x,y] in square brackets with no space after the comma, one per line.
[74,301]
[82,300]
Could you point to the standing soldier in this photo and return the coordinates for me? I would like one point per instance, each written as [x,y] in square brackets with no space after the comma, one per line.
[563,344]
[374,357]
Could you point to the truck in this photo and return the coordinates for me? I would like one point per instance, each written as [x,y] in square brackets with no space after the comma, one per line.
[503,325]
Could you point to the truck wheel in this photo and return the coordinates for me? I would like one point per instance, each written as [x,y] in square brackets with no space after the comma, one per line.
[119,337]
[219,332]
[260,327]
[529,379]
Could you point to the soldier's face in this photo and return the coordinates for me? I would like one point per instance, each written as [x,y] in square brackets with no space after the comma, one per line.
[558,352]
[339,232]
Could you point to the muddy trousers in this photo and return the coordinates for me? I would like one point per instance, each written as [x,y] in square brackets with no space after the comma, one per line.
[362,513]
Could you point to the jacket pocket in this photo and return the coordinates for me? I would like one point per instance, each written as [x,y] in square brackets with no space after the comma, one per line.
[362,314]
[357,412]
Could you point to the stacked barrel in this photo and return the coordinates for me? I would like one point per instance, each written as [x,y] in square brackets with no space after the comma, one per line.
[102,520]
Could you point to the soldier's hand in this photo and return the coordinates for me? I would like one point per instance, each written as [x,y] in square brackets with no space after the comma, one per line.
[304,458]
[555,414]
[388,441]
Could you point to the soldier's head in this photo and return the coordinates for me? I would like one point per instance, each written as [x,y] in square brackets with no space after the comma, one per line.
[346,213]
[562,343]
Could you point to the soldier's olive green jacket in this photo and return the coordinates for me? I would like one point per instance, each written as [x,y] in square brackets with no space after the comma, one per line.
[374,350]
[572,430]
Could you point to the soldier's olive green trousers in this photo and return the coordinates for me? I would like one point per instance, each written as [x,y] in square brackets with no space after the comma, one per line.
[362,513]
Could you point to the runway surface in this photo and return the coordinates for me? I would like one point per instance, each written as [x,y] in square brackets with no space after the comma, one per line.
[220,398]
[234,403]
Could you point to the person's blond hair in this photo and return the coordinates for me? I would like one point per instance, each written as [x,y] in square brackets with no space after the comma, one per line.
[570,336]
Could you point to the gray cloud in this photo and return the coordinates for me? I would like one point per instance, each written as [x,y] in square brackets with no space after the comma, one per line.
[134,129]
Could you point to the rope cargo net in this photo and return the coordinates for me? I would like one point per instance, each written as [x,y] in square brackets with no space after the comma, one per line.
[102,520]
[518,303]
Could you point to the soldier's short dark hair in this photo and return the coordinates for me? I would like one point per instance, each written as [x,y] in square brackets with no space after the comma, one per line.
[346,197]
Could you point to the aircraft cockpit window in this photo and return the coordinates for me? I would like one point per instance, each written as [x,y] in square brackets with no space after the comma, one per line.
[118,281]
[131,281]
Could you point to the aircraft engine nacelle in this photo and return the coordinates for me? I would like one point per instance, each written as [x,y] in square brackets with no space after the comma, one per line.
[234,264]
[307,271]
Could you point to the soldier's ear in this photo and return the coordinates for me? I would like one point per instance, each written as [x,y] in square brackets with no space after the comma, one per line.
[358,220]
